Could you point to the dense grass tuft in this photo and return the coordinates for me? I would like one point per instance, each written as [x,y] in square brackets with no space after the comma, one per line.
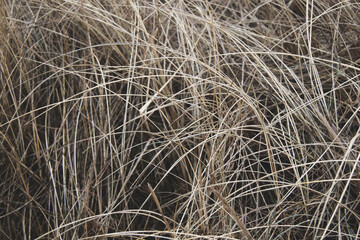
[144,119]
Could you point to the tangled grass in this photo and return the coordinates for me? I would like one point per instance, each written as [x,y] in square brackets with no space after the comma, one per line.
[214,119]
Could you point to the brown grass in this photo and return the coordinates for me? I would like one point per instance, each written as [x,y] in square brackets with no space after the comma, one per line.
[215,119]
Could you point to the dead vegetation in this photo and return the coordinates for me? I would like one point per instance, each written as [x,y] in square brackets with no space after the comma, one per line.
[218,119]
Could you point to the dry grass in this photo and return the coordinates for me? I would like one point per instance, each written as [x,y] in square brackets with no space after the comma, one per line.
[215,119]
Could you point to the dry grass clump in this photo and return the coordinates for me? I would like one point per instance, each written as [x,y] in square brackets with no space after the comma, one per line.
[218,119]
